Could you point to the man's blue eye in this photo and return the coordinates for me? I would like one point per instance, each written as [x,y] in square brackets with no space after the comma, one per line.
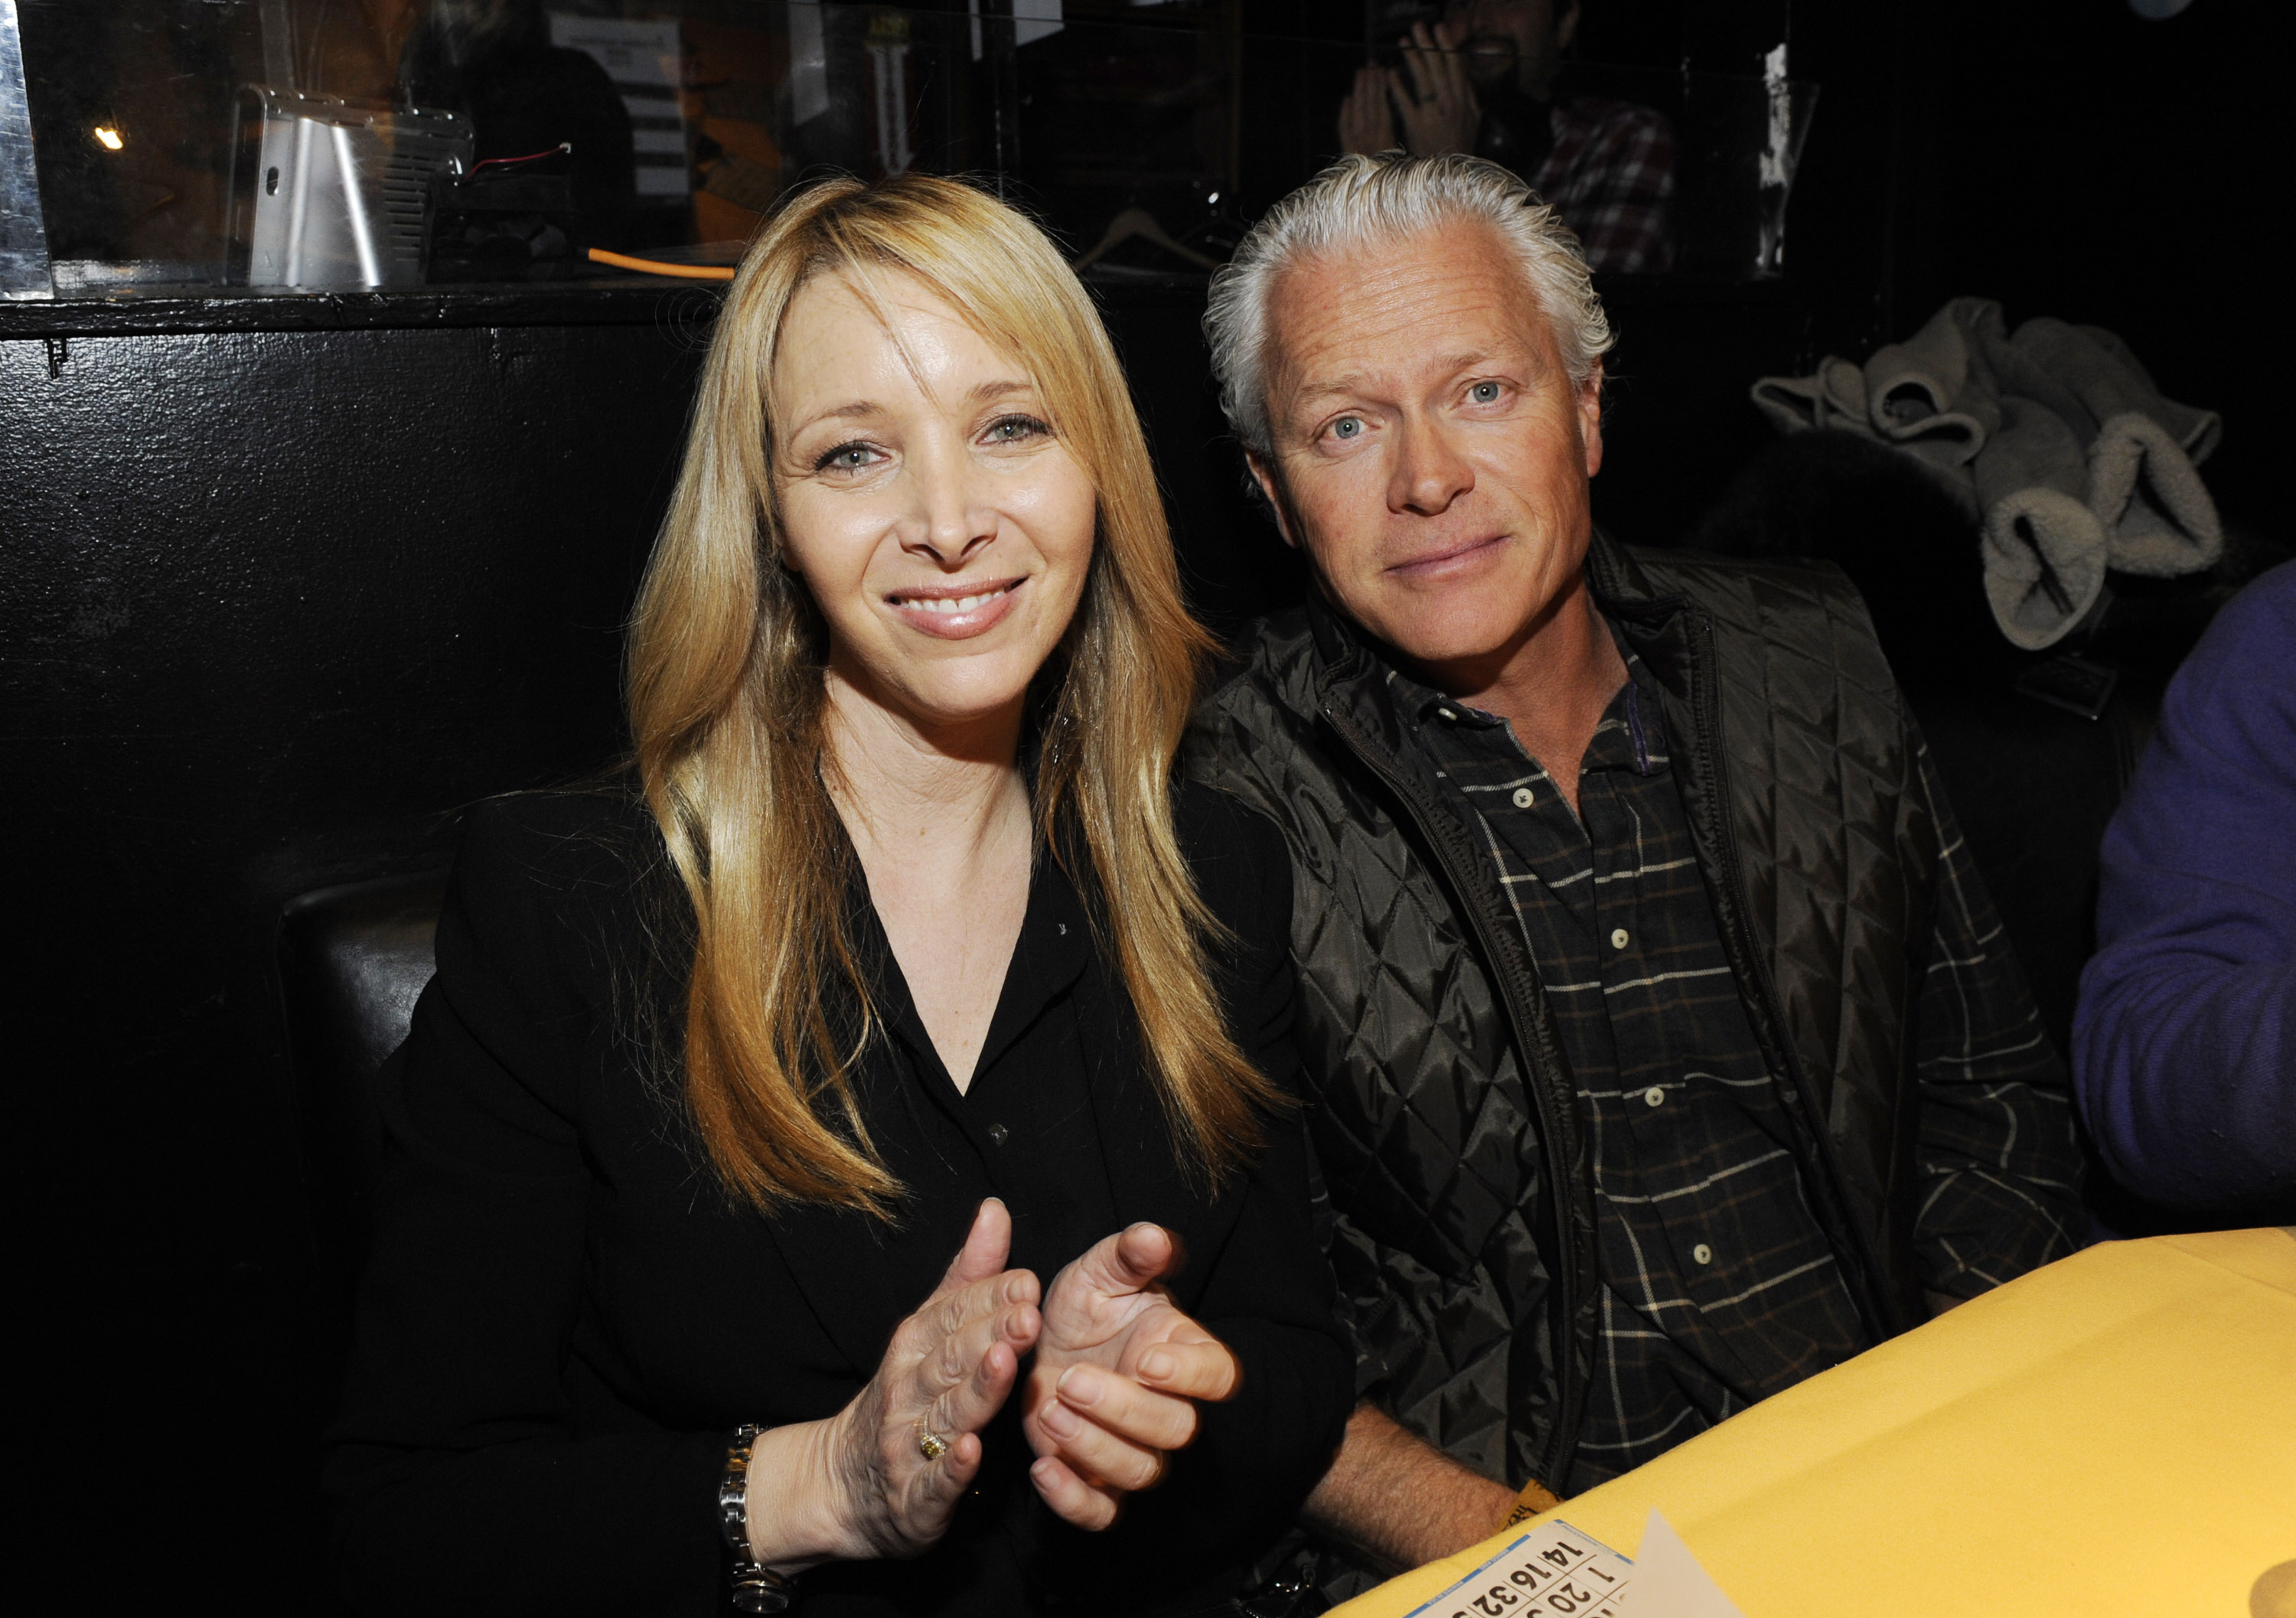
[1485,393]
[1346,427]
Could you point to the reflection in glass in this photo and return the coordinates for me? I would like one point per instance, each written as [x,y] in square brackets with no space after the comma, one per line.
[1743,142]
[1492,77]
[23,234]
[332,194]
[434,143]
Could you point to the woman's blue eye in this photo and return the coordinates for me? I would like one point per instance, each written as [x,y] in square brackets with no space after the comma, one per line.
[1013,428]
[1484,393]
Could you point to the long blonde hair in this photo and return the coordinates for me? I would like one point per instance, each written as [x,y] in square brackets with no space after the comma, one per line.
[727,702]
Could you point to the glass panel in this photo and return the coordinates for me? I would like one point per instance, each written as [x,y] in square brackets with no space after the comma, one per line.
[274,147]
[23,233]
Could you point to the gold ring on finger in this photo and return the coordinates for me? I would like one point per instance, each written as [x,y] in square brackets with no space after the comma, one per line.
[930,1444]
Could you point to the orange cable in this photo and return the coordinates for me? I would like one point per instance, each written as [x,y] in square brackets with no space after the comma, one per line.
[655,266]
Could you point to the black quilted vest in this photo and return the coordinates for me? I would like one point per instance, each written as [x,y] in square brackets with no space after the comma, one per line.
[1444,1119]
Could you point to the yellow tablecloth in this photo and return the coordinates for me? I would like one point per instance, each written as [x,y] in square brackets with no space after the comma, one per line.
[2114,1433]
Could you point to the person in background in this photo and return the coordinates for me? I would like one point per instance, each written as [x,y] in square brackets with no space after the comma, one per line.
[1487,79]
[2184,1036]
[493,62]
[723,1063]
[1665,1046]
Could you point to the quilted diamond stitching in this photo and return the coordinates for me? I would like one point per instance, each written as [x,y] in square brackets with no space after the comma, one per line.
[1429,1141]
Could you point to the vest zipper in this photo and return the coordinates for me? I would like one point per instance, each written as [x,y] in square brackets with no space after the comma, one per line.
[1707,708]
[1555,1120]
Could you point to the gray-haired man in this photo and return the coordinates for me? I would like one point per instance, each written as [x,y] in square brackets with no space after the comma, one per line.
[1668,1050]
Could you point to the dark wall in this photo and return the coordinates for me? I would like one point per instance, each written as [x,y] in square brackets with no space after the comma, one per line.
[277,604]
[1233,563]
[2064,156]
[2074,159]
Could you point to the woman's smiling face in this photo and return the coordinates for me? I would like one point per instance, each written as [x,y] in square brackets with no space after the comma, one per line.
[942,529]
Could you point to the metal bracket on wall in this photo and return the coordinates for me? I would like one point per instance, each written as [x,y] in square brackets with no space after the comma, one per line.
[337,194]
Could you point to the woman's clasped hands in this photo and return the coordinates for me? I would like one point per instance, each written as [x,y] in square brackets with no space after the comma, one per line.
[1118,1372]
[1111,1393]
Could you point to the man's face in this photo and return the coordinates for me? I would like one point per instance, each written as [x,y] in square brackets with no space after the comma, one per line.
[1430,453]
[1517,42]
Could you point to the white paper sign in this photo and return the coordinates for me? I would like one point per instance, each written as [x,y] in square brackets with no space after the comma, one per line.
[1670,1582]
[645,59]
[1556,1571]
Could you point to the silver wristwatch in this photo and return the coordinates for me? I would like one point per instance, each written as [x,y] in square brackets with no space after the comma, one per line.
[757,1588]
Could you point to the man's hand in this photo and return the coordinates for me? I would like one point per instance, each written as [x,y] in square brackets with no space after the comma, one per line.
[1438,113]
[1366,128]
[1116,1374]
[1403,1501]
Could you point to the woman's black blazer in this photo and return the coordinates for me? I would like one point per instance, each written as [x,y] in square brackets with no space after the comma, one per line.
[564,1316]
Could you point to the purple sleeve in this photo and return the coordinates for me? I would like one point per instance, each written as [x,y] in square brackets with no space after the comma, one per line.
[2185,1040]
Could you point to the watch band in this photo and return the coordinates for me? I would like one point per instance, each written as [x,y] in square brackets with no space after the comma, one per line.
[757,1588]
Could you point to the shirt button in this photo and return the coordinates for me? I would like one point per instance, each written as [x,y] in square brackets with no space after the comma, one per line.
[998,1134]
[1618,938]
[1447,713]
[1654,1097]
[1522,797]
[1702,1253]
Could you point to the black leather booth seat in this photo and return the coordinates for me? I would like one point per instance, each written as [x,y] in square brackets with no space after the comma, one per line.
[352,960]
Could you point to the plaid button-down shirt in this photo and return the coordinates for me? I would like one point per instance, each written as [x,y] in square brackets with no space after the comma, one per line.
[1609,173]
[1719,1286]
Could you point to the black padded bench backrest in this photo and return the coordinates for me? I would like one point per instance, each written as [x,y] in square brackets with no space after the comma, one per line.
[352,961]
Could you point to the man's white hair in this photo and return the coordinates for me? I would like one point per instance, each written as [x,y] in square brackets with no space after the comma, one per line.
[1368,201]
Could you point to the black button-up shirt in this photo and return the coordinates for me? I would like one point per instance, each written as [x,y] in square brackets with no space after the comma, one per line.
[564,1315]
[1023,1130]
[1719,1286]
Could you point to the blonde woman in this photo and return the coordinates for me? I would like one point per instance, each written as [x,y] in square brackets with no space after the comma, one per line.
[851,1170]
